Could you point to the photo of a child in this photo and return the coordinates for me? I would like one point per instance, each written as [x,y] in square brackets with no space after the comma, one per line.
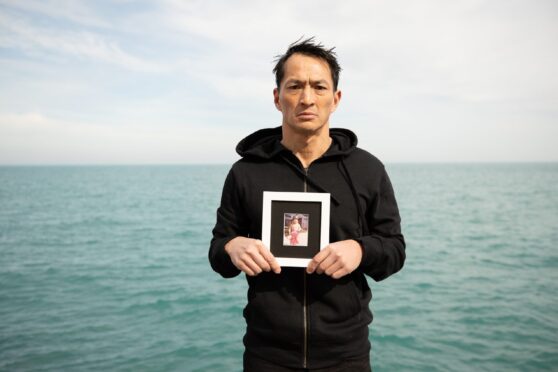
[295,229]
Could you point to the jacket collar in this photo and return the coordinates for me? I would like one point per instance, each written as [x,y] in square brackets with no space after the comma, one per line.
[266,143]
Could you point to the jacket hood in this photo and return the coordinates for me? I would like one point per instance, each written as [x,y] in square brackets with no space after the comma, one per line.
[266,143]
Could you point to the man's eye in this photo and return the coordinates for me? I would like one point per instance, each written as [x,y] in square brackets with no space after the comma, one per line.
[293,86]
[321,87]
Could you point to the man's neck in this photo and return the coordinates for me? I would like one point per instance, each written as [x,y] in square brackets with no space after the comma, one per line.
[307,147]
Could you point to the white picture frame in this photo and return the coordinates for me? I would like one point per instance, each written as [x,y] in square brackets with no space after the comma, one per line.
[292,245]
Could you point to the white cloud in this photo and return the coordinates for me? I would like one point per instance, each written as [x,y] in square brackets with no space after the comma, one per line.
[429,81]
[77,12]
[468,50]
[23,35]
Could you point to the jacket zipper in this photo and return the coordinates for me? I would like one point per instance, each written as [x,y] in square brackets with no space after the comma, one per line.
[305,321]
[305,301]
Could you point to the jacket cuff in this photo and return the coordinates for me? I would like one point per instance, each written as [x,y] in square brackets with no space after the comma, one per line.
[372,251]
[222,261]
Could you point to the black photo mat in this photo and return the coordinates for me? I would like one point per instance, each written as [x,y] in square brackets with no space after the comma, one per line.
[278,210]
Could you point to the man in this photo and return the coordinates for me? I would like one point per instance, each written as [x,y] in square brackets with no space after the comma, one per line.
[315,318]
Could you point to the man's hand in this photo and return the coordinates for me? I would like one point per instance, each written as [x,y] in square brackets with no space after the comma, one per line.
[337,259]
[251,256]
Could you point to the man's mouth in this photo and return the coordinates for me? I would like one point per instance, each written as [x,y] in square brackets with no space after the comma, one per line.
[306,115]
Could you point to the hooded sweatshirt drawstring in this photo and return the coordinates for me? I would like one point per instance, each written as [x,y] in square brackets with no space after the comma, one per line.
[362,218]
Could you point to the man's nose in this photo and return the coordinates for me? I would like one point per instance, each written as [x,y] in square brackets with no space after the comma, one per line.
[307,97]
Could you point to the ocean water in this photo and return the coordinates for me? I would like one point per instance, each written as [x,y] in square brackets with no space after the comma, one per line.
[105,269]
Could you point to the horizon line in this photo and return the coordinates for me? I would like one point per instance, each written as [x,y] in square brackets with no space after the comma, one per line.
[459,162]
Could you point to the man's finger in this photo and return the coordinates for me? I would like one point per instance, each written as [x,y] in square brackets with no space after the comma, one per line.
[318,258]
[334,267]
[340,273]
[260,260]
[271,260]
[249,262]
[326,263]
[245,269]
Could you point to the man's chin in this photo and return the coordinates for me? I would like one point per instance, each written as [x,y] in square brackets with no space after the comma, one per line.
[306,127]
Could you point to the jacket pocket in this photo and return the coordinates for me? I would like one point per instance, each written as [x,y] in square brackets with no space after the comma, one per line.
[339,313]
[334,300]
[274,311]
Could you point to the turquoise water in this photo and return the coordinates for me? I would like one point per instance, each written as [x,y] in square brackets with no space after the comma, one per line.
[105,268]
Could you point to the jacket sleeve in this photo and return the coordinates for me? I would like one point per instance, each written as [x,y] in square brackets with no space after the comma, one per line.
[383,245]
[230,217]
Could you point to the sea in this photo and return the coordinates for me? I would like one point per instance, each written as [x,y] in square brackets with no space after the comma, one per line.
[104,268]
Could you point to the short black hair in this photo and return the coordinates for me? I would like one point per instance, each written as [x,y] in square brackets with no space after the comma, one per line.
[308,47]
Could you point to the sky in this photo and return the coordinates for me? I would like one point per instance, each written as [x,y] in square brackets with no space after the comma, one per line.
[180,82]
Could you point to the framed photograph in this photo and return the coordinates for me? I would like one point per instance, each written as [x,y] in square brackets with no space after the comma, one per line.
[295,225]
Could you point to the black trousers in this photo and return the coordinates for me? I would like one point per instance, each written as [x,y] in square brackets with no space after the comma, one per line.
[255,364]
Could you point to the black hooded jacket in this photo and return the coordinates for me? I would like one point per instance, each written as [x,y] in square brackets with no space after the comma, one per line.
[304,320]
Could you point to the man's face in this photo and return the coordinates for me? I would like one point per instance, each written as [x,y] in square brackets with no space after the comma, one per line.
[306,96]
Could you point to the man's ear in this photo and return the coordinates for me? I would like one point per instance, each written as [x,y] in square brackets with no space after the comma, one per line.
[276,99]
[336,99]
